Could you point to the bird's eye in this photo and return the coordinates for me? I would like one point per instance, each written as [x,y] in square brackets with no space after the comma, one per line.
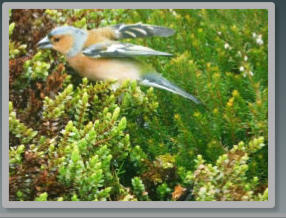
[56,39]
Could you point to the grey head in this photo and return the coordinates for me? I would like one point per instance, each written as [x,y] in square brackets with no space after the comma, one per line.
[65,39]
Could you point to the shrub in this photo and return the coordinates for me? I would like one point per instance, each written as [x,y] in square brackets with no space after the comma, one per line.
[71,139]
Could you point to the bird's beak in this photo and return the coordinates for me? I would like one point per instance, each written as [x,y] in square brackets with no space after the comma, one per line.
[45,43]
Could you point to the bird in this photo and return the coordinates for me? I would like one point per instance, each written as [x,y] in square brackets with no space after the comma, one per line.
[97,54]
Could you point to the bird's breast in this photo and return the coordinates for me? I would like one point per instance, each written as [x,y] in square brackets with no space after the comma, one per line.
[105,68]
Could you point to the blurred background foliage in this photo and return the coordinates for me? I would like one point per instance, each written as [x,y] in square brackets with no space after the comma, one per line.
[76,140]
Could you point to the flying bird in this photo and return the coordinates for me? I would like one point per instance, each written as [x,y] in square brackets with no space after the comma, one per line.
[98,55]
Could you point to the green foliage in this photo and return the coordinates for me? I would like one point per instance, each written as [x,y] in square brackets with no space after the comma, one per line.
[42,197]
[163,191]
[15,154]
[227,179]
[76,140]
[139,189]
[37,68]
[15,49]
[55,108]
[19,129]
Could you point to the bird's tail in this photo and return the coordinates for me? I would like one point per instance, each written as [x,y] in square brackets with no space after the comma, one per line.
[157,81]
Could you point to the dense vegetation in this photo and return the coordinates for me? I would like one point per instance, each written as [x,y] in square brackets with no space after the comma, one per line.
[76,140]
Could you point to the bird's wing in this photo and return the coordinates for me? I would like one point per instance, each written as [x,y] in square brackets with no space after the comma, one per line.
[140,30]
[115,49]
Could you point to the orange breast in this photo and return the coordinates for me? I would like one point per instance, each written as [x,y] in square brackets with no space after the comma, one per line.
[105,68]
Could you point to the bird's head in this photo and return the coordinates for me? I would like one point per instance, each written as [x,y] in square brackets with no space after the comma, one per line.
[67,40]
